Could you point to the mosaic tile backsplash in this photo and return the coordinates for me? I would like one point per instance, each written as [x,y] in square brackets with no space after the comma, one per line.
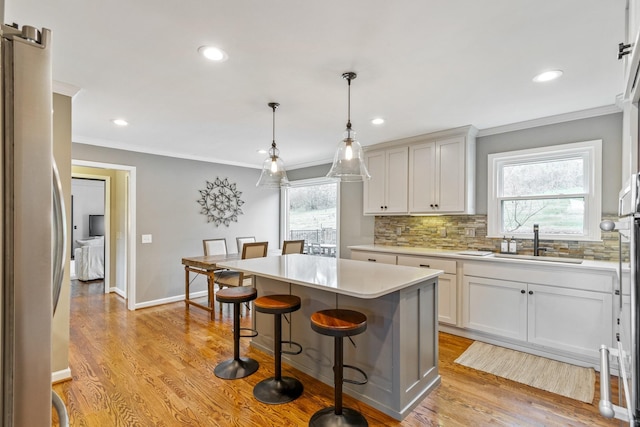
[452,233]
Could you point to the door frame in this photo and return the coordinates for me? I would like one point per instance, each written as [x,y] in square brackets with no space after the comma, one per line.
[130,229]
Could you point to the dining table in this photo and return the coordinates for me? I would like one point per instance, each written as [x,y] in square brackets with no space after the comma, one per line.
[207,265]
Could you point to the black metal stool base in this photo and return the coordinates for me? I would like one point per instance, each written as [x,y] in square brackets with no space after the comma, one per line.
[274,391]
[327,418]
[233,369]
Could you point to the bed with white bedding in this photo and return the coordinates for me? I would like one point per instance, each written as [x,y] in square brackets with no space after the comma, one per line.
[89,259]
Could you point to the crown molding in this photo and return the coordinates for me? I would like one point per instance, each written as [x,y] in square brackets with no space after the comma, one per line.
[550,120]
[65,89]
[167,153]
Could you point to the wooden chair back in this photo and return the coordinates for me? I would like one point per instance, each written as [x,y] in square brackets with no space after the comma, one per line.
[292,247]
[240,241]
[254,250]
[214,246]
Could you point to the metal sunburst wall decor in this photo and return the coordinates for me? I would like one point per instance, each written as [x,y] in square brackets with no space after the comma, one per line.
[221,202]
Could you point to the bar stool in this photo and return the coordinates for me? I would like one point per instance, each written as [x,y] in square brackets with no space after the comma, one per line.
[238,367]
[339,323]
[278,389]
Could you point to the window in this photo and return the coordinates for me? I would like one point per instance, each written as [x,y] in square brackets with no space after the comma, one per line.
[557,187]
[310,212]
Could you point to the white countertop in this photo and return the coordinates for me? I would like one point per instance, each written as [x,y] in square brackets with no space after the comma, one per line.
[342,276]
[443,253]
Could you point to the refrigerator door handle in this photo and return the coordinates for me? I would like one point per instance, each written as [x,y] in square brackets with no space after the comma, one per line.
[59,236]
[606,407]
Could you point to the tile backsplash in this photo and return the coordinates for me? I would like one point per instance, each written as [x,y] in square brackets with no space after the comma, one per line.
[469,232]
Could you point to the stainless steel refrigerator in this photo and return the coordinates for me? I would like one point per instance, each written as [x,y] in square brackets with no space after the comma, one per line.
[625,351]
[32,243]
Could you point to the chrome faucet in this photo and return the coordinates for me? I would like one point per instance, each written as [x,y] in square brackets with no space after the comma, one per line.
[536,241]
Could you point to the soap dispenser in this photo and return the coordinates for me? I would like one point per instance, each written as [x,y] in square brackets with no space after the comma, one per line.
[513,246]
[504,246]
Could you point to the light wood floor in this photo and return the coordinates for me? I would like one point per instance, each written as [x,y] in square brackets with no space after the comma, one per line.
[154,367]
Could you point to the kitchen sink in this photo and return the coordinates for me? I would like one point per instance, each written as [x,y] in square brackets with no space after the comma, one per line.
[540,258]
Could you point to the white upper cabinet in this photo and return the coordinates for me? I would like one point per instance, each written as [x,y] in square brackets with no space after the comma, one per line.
[386,192]
[441,176]
[427,174]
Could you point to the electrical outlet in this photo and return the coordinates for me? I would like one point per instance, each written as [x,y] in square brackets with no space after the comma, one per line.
[470,232]
[443,232]
[146,238]
[398,231]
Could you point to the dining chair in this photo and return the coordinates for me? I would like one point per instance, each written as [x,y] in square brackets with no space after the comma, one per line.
[214,246]
[240,241]
[236,278]
[292,247]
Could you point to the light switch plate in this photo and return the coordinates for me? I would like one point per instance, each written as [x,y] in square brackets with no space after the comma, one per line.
[146,238]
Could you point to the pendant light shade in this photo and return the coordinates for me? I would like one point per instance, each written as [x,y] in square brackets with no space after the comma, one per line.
[348,163]
[273,173]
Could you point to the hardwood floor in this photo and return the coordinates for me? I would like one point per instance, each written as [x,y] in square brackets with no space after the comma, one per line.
[154,367]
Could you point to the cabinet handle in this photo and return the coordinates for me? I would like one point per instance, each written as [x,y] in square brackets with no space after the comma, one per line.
[371,259]
[381,207]
[425,265]
[436,205]
[385,207]
[530,292]
[431,205]
[522,291]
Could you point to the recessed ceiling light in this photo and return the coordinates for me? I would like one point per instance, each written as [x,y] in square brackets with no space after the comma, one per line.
[547,76]
[262,151]
[213,53]
[377,121]
[120,122]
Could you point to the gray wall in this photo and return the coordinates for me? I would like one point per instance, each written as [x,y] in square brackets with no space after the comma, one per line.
[608,128]
[167,208]
[355,228]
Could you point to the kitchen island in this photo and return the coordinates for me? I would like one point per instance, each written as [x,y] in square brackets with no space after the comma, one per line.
[399,349]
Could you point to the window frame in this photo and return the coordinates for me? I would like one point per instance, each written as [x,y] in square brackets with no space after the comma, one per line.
[590,151]
[284,205]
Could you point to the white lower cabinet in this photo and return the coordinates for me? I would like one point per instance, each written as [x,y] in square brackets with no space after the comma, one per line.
[447,284]
[498,307]
[550,317]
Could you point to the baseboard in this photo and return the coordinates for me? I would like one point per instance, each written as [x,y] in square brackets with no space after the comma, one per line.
[169,300]
[61,376]
[118,291]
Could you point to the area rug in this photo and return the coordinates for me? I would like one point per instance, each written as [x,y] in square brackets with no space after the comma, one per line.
[556,377]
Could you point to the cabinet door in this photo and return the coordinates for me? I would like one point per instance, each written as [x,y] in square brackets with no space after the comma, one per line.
[447,284]
[374,188]
[495,306]
[450,175]
[397,166]
[422,166]
[447,304]
[569,319]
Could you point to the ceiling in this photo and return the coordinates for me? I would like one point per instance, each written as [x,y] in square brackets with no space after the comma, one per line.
[422,65]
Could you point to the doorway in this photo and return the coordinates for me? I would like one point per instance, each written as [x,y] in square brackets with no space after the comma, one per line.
[119,224]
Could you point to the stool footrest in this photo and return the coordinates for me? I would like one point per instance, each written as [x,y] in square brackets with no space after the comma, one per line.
[362,382]
[253,333]
[294,344]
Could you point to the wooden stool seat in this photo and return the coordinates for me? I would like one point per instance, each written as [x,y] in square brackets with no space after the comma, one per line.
[277,304]
[278,389]
[338,323]
[238,367]
[238,294]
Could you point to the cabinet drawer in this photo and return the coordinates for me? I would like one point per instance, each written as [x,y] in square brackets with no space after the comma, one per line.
[373,257]
[446,265]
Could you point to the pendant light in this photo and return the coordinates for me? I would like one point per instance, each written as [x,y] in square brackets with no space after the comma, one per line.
[348,163]
[273,174]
